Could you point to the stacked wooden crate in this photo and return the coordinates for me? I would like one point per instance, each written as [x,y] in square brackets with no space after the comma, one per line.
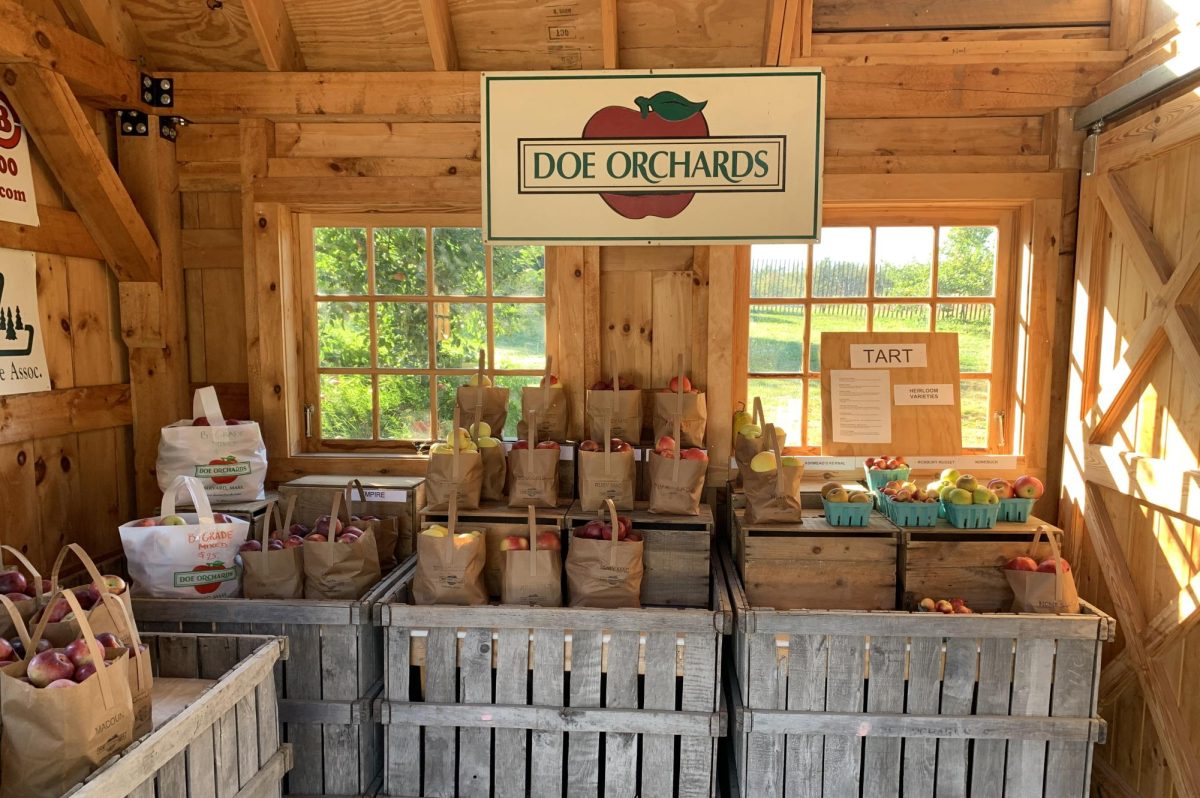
[386,497]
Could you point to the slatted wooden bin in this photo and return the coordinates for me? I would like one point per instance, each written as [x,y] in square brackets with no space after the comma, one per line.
[516,701]
[815,565]
[944,562]
[216,723]
[496,520]
[676,554]
[327,686]
[387,497]
[903,704]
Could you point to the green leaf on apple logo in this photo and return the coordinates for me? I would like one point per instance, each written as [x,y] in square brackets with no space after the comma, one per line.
[670,106]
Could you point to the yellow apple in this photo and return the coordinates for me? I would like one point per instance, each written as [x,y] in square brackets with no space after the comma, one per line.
[481,429]
[441,448]
[828,486]
[489,443]
[859,498]
[838,496]
[763,462]
[984,496]
[944,493]
[950,475]
[436,531]
[750,431]
[958,496]
[791,461]
[740,419]
[480,379]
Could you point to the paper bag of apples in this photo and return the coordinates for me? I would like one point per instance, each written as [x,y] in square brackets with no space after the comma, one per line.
[273,564]
[606,472]
[748,438]
[772,484]
[385,530]
[549,401]
[1046,586]
[604,563]
[533,471]
[450,564]
[454,470]
[615,405]
[184,555]
[493,462]
[228,455]
[64,711]
[61,624]
[478,401]
[532,566]
[27,591]
[341,560]
[676,477]
[681,410]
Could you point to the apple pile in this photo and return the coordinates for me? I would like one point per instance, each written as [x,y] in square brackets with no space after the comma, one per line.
[1025,487]
[323,530]
[614,445]
[606,385]
[467,443]
[956,606]
[909,492]
[547,540]
[962,489]
[597,529]
[460,538]
[886,463]
[16,587]
[835,493]
[66,666]
[524,444]
[1046,566]
[666,448]
[88,597]
[764,461]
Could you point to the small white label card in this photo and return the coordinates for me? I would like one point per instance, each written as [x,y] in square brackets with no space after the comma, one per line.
[862,408]
[940,394]
[385,495]
[887,356]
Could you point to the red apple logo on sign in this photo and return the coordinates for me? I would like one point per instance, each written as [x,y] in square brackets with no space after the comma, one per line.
[211,587]
[665,115]
[225,480]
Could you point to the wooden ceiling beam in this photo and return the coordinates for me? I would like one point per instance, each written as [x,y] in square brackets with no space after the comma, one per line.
[93,71]
[273,31]
[62,134]
[609,41]
[106,22]
[1128,21]
[440,31]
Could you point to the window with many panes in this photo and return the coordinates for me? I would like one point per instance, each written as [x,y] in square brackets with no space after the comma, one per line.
[879,277]
[397,310]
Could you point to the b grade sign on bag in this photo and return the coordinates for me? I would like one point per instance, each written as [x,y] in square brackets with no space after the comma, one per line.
[648,157]
[22,353]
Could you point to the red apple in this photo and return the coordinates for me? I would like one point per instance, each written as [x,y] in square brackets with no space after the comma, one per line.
[348,539]
[60,683]
[275,545]
[601,386]
[606,532]
[299,530]
[626,524]
[625,385]
[1028,487]
[13,582]
[634,537]
[87,595]
[114,584]
[521,444]
[694,454]
[673,385]
[18,597]
[147,522]
[293,542]
[232,422]
[251,545]
[591,531]
[515,543]
[325,524]
[870,461]
[7,653]
[19,648]
[547,445]
[202,421]
[590,446]
[1046,566]
[618,445]
[49,666]
[59,610]
[351,530]
[898,461]
[1021,564]
[316,537]
[1001,487]
[109,640]
[82,672]
[553,381]
[548,540]
[78,652]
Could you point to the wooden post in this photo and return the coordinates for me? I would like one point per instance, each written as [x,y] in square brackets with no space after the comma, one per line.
[153,315]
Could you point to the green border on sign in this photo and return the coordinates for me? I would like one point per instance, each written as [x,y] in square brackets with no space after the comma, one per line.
[820,77]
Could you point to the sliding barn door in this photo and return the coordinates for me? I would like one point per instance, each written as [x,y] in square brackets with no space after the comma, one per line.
[1131,484]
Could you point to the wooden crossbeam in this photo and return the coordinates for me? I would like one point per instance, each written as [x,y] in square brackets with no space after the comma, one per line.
[1153,481]
[1127,23]
[1183,331]
[106,22]
[59,233]
[62,412]
[1143,248]
[440,31]
[1156,684]
[609,41]
[273,31]
[63,135]
[92,70]
[1170,626]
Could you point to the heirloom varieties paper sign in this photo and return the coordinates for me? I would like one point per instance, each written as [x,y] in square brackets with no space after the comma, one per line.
[17,201]
[22,354]
[648,157]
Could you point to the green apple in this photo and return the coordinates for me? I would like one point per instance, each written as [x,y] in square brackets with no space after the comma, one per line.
[984,496]
[950,475]
[944,493]
[966,482]
[173,520]
[958,496]
[740,419]
[750,431]
[934,487]
[791,461]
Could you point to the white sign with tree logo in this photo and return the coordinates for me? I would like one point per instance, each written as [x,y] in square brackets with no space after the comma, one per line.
[22,353]
[17,200]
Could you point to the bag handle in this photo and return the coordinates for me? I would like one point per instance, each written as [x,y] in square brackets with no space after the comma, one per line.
[452,519]
[85,628]
[772,440]
[546,383]
[34,574]
[205,403]
[615,524]
[479,394]
[675,428]
[362,493]
[18,622]
[758,417]
[195,489]
[88,565]
[335,510]
[124,617]
[532,539]
[531,440]
[1058,561]
[607,443]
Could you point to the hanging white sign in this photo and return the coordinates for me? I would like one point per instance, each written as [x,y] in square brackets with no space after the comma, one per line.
[22,354]
[649,157]
[17,200]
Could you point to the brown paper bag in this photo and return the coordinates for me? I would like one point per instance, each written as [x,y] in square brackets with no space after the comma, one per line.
[386,530]
[606,475]
[141,676]
[622,409]
[482,403]
[34,589]
[550,404]
[533,576]
[1034,591]
[99,615]
[493,461]
[52,739]
[689,409]
[450,569]
[458,473]
[336,570]
[676,484]
[604,573]
[745,448]
[773,497]
[274,574]
[533,473]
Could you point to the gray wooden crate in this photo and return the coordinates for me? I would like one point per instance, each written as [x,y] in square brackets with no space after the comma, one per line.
[225,742]
[505,700]
[326,686]
[900,704]
[676,556]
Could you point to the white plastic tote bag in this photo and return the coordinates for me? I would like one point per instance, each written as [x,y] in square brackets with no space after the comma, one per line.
[184,555]
[229,457]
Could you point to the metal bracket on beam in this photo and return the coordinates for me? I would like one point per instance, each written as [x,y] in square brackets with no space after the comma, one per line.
[168,126]
[158,92]
[132,123]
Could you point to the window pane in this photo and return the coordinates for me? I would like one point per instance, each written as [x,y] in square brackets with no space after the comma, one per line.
[776,338]
[519,271]
[520,335]
[458,261]
[833,318]
[903,261]
[447,391]
[967,261]
[514,385]
[973,323]
[404,407]
[783,404]
[975,414]
[840,261]
[460,330]
[777,270]
[900,318]
[340,258]
[814,413]
[343,335]
[403,332]
[400,261]
[346,406]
